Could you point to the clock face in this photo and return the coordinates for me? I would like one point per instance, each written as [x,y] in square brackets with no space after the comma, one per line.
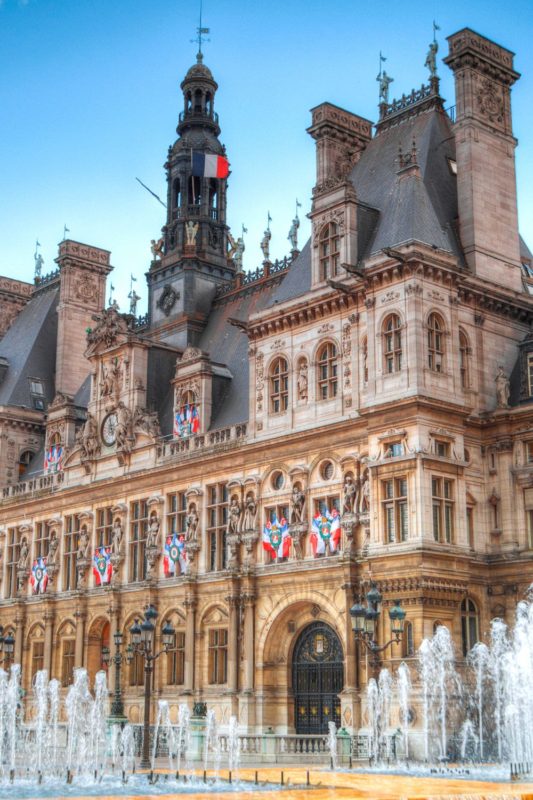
[109,427]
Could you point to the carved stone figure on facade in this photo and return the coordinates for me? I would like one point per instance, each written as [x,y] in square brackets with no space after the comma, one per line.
[39,263]
[298,504]
[123,430]
[350,498]
[157,248]
[503,389]
[232,246]
[116,538]
[22,563]
[110,379]
[234,516]
[239,251]
[293,233]
[147,421]
[364,496]
[265,244]
[53,546]
[250,513]
[87,438]
[303,380]
[384,81]
[431,59]
[83,545]
[152,536]
[134,298]
[191,231]
[109,325]
[191,523]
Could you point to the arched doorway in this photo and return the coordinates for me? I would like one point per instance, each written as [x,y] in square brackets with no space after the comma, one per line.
[317,679]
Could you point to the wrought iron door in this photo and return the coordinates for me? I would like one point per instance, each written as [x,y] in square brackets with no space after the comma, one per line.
[317,679]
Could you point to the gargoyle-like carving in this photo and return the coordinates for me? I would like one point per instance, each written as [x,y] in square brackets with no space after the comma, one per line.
[124,435]
[87,439]
[110,324]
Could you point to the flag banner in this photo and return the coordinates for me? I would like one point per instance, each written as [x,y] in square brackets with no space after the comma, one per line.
[102,566]
[53,458]
[325,530]
[276,538]
[39,576]
[186,421]
[175,558]
[207,165]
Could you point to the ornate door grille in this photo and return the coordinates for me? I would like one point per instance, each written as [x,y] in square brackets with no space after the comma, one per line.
[317,679]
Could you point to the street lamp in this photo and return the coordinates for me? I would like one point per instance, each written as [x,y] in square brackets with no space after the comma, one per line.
[142,642]
[7,646]
[365,621]
[117,706]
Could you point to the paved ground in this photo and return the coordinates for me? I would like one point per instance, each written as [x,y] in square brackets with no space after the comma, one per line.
[326,785]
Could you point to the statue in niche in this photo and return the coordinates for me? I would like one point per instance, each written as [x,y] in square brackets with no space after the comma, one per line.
[87,438]
[250,513]
[191,230]
[349,505]
[123,435]
[234,516]
[302,380]
[53,545]
[232,247]
[364,497]
[503,389]
[116,537]
[191,523]
[152,537]
[238,255]
[83,544]
[111,379]
[298,505]
[24,553]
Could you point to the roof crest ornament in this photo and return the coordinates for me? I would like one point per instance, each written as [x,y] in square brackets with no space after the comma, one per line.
[200,37]
[384,81]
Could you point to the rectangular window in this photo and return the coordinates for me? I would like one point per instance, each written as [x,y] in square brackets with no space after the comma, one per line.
[278,512]
[37,658]
[470,526]
[217,521]
[42,540]
[394,449]
[12,558]
[530,528]
[395,510]
[137,670]
[442,448]
[176,661]
[70,548]
[218,655]
[176,513]
[104,526]
[67,661]
[443,509]
[138,530]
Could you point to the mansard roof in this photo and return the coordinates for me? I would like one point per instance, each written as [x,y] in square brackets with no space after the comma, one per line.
[30,349]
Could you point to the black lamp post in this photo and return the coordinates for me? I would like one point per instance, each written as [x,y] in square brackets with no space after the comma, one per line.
[117,706]
[7,646]
[142,642]
[365,621]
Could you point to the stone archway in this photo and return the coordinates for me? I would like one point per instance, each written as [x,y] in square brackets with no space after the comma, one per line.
[317,679]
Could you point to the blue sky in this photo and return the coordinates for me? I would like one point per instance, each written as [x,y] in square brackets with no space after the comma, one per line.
[89,99]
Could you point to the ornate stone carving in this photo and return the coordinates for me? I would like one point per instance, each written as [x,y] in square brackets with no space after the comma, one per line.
[124,435]
[259,379]
[87,439]
[110,324]
[152,545]
[249,521]
[191,523]
[59,401]
[191,232]
[111,379]
[146,421]
[86,288]
[167,299]
[192,387]
[297,504]
[364,494]
[303,379]
[234,516]
[190,354]
[490,101]
[350,495]
[503,389]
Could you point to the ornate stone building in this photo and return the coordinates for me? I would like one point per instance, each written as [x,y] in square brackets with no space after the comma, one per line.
[382,376]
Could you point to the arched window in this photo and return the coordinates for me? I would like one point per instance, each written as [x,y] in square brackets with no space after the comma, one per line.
[469,625]
[198,101]
[392,343]
[435,343]
[330,245]
[279,386]
[209,104]
[176,193]
[24,461]
[464,360]
[408,640]
[188,103]
[327,371]
[176,660]
[213,198]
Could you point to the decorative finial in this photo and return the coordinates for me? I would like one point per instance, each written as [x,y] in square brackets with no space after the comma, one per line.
[39,260]
[239,250]
[431,58]
[265,241]
[200,37]
[65,231]
[384,81]
[293,232]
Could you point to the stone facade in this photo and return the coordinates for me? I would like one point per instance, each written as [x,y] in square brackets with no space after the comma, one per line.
[13,297]
[395,389]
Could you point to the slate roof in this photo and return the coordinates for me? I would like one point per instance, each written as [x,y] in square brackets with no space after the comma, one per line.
[30,349]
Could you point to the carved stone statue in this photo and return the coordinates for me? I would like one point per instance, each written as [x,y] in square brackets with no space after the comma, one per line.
[191,230]
[39,263]
[298,505]
[232,246]
[503,390]
[111,379]
[265,244]
[24,553]
[87,438]
[147,421]
[364,496]
[123,431]
[109,325]
[349,505]
[53,545]
[302,381]
[152,537]
[191,522]
[234,516]
[239,252]
[83,545]
[431,59]
[134,299]
[157,248]
[250,513]
[384,83]
[116,537]
[293,233]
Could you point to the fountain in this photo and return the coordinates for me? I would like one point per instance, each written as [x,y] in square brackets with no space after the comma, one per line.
[332,745]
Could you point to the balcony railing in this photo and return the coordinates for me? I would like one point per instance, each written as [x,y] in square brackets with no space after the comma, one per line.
[171,448]
[44,482]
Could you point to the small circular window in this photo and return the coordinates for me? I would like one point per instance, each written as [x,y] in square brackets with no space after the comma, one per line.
[327,470]
[278,481]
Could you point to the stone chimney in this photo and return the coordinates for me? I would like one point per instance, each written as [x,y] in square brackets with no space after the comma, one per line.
[340,138]
[83,272]
[486,182]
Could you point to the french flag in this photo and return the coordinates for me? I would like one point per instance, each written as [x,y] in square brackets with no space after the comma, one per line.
[207,165]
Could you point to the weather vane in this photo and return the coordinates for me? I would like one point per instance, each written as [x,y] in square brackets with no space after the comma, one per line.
[201,34]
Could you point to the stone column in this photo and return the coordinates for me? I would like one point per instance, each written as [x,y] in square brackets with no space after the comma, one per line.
[113,612]
[19,636]
[233,643]
[190,606]
[80,630]
[49,616]
[249,660]
[350,700]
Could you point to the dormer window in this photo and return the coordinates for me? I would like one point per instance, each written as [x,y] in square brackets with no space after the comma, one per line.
[37,393]
[442,448]
[394,449]
[330,245]
[187,416]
